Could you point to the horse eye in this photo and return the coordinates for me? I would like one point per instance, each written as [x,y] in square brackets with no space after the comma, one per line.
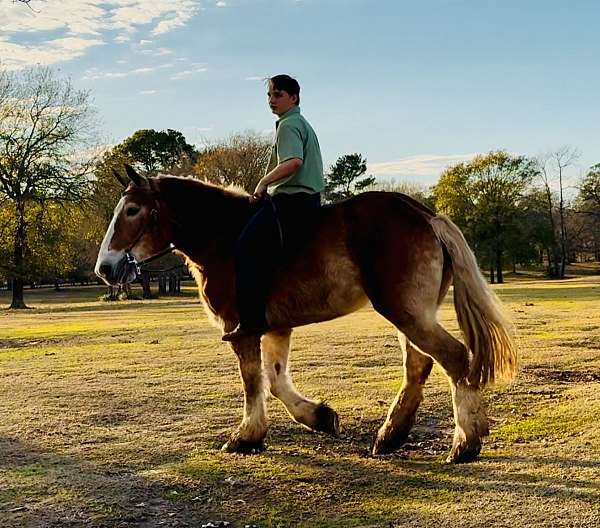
[132,211]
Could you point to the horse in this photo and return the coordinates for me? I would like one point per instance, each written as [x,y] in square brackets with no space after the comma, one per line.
[379,247]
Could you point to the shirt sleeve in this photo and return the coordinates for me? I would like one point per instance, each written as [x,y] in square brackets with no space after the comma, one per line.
[289,143]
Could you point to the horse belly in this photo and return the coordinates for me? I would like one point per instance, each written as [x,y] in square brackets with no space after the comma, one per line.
[329,291]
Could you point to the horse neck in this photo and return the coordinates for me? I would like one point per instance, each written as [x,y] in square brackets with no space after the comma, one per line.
[207,220]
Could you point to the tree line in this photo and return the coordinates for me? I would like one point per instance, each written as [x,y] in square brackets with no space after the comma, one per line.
[57,189]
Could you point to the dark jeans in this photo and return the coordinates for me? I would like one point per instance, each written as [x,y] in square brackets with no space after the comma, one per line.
[278,230]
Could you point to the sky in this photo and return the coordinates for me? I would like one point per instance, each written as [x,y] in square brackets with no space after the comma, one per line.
[412,86]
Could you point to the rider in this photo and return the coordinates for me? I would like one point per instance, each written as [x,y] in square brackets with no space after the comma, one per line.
[293,182]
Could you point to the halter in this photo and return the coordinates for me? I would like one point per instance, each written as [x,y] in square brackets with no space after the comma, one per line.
[131,260]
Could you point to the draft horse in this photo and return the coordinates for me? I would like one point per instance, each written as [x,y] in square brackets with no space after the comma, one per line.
[378,247]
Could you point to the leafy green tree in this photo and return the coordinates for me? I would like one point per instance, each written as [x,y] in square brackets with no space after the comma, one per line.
[531,238]
[587,206]
[589,192]
[153,151]
[45,126]
[483,197]
[346,178]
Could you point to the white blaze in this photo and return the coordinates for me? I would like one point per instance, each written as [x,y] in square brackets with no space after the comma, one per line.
[106,256]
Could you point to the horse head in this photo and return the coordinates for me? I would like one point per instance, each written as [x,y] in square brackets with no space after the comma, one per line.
[137,231]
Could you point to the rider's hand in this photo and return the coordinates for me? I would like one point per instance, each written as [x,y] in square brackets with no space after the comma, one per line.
[259,192]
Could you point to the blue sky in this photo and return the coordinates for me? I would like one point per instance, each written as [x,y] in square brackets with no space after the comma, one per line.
[412,86]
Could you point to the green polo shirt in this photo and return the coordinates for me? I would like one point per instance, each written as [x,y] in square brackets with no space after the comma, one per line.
[295,138]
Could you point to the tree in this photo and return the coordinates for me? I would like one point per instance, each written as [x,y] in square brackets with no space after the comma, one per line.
[483,197]
[414,190]
[151,151]
[531,238]
[589,191]
[588,212]
[239,160]
[346,178]
[47,129]
[551,170]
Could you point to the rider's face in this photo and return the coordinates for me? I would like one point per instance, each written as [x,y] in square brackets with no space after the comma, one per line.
[279,100]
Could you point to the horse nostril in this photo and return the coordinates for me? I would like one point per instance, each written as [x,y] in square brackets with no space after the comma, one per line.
[104,270]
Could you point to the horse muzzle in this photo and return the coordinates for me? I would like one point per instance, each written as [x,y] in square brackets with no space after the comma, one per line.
[114,273]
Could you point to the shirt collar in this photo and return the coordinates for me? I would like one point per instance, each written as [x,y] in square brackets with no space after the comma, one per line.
[293,110]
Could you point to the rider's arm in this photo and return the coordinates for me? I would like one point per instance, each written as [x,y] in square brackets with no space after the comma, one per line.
[283,170]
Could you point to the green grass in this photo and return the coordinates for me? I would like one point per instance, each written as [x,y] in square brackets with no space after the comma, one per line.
[112,414]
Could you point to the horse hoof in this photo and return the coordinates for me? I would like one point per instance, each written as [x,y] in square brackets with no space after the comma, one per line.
[462,454]
[381,447]
[244,447]
[327,420]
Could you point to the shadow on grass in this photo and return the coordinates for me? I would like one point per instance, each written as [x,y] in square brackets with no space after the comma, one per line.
[323,483]
[49,490]
[313,481]
[177,303]
[42,299]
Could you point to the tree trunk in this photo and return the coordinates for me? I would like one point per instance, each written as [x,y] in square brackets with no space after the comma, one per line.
[552,264]
[499,275]
[563,227]
[18,301]
[491,274]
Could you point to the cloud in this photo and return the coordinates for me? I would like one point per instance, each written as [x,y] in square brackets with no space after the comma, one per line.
[422,167]
[14,56]
[187,9]
[187,73]
[221,3]
[147,92]
[256,78]
[72,26]
[94,74]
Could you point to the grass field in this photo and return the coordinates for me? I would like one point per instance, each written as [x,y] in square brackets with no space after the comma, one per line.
[112,415]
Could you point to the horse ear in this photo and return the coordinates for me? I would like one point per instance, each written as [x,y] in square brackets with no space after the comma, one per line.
[120,178]
[137,179]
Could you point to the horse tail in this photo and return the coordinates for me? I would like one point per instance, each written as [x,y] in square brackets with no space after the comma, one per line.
[487,330]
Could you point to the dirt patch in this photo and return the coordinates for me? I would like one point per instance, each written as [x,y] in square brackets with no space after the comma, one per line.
[564,376]
[23,343]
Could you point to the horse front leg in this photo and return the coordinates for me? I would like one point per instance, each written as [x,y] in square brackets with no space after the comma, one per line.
[250,435]
[315,415]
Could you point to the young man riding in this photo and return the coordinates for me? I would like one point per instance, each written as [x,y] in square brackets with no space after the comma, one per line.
[289,199]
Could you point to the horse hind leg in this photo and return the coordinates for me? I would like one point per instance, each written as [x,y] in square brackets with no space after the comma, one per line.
[402,412]
[313,414]
[471,423]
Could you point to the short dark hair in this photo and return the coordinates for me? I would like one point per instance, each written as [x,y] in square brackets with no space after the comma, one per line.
[288,84]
